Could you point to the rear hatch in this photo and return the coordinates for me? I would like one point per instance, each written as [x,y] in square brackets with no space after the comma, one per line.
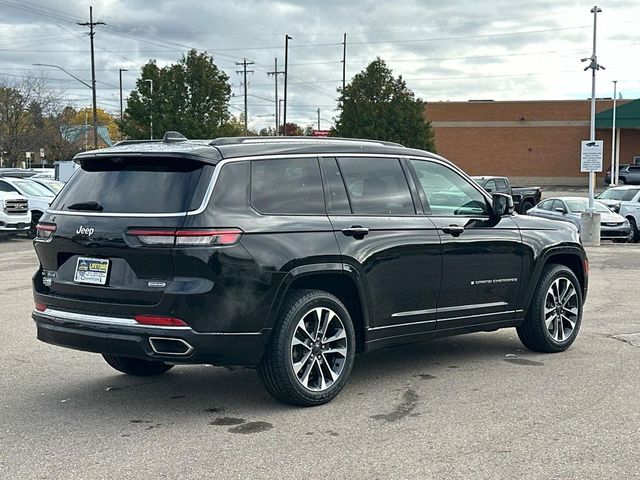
[102,239]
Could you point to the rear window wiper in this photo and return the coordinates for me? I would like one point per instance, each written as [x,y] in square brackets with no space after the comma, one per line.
[93,206]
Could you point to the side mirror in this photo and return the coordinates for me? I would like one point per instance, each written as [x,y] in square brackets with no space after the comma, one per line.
[502,204]
[489,190]
[560,209]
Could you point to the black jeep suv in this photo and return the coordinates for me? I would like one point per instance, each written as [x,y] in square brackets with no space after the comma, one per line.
[291,255]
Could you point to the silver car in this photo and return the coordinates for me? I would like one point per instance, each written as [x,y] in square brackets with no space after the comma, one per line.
[625,200]
[569,209]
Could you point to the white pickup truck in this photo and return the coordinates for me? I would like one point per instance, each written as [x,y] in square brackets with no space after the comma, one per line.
[15,216]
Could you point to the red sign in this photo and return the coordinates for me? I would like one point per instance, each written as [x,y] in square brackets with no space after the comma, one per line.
[320,133]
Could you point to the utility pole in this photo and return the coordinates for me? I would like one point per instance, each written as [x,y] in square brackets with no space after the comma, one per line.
[120,70]
[612,176]
[590,220]
[244,64]
[344,61]
[275,74]
[280,114]
[318,119]
[92,24]
[286,69]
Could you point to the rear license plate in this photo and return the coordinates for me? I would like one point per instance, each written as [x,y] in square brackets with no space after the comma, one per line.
[91,270]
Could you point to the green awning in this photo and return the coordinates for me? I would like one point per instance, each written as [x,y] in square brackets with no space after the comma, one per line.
[627,116]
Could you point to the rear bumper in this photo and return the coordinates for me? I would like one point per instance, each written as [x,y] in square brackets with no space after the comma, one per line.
[125,337]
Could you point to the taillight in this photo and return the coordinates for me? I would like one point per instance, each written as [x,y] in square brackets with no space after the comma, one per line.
[40,307]
[181,238]
[160,321]
[44,231]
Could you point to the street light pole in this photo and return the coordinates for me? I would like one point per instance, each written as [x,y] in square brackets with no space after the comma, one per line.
[286,75]
[150,81]
[612,175]
[590,220]
[120,70]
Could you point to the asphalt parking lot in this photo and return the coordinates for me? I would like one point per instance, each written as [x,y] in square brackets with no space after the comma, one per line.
[475,406]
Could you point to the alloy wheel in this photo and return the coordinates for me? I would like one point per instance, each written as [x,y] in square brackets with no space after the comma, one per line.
[319,349]
[561,309]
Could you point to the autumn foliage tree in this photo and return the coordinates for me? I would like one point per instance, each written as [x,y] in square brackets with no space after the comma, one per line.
[379,106]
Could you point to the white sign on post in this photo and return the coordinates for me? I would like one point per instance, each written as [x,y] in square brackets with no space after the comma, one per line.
[591,156]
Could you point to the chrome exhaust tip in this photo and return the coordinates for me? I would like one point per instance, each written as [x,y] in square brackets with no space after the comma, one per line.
[170,346]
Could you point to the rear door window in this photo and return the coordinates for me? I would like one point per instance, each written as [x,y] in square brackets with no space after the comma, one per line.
[376,186]
[287,186]
[490,186]
[501,184]
[141,185]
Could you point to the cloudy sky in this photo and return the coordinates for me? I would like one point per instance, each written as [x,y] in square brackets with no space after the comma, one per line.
[454,50]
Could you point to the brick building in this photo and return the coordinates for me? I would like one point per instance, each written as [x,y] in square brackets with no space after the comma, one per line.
[532,142]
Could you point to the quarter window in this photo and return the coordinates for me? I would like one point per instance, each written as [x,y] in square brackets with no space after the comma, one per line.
[287,186]
[546,205]
[376,186]
[447,192]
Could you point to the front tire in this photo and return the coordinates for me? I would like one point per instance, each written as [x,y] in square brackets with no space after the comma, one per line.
[635,234]
[35,218]
[555,313]
[312,350]
[136,366]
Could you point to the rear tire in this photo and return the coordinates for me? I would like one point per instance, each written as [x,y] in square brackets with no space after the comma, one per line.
[136,366]
[312,349]
[622,181]
[555,313]
[526,206]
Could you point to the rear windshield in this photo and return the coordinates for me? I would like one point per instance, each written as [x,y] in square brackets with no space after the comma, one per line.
[141,185]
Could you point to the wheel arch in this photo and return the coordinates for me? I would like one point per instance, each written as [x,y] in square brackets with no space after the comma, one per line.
[573,258]
[342,282]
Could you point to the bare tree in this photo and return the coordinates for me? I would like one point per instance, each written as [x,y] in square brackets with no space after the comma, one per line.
[27,108]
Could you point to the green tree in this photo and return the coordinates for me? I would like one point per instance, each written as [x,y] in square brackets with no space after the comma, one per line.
[378,106]
[190,96]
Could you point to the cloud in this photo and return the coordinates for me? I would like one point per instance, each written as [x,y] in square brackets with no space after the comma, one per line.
[453,50]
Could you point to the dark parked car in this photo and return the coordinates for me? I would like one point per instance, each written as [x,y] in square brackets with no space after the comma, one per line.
[628,174]
[291,255]
[524,198]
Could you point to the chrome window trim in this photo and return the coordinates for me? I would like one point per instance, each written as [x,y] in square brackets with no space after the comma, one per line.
[216,173]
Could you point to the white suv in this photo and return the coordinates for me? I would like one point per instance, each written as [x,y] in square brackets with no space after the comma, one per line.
[15,216]
[625,200]
[39,197]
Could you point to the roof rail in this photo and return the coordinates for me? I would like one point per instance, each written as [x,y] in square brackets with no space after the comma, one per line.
[297,139]
[133,142]
[169,137]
